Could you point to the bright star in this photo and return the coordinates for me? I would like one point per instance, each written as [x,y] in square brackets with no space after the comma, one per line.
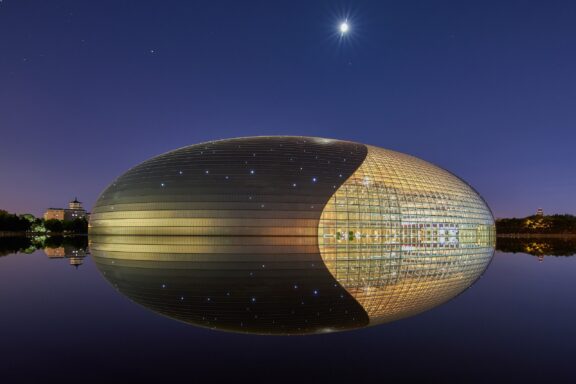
[344,27]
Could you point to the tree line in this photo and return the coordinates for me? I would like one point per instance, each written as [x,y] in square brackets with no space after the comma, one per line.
[14,223]
[551,224]
[10,222]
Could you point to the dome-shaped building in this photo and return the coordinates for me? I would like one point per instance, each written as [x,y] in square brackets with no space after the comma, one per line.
[307,232]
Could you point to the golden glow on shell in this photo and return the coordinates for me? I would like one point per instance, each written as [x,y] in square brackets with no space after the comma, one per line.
[402,235]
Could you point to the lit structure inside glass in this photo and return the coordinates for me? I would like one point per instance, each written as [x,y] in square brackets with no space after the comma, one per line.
[402,235]
[290,235]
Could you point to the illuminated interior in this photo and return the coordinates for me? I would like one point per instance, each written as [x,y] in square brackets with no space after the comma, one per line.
[402,235]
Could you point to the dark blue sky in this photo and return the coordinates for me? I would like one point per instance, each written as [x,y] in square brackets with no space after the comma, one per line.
[486,89]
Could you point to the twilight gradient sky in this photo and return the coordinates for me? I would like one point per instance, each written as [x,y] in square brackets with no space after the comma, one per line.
[486,89]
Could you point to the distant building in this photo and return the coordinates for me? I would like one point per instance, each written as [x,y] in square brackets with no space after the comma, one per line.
[54,213]
[74,211]
[539,212]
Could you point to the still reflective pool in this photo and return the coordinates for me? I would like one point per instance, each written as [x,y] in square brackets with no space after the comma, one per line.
[70,315]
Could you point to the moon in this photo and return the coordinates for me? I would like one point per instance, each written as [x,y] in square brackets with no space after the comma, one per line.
[344,27]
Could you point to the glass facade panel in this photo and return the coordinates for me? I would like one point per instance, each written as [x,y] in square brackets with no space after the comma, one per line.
[402,235]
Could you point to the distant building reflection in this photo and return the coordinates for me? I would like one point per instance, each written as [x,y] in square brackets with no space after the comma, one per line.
[71,252]
[538,246]
[54,246]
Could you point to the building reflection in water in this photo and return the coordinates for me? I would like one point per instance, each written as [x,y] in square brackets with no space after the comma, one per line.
[74,255]
[284,288]
[281,286]
[73,248]
[538,246]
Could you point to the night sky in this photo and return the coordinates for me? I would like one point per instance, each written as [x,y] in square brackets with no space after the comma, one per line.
[485,89]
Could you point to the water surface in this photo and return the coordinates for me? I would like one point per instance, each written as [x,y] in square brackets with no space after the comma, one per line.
[62,322]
